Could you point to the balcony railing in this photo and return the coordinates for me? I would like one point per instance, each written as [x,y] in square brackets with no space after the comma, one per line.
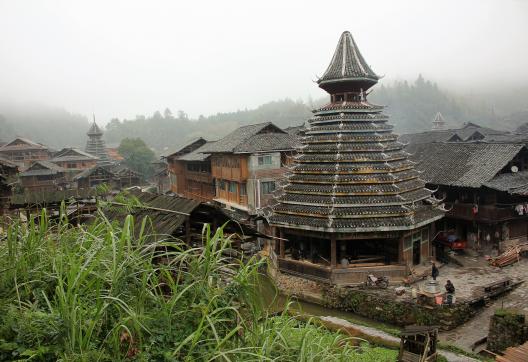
[339,275]
[483,212]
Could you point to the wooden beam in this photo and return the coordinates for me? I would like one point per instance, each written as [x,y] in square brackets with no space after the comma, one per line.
[188,230]
[282,251]
[149,208]
[333,251]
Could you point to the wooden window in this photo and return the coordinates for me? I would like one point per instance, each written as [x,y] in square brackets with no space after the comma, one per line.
[264,160]
[221,184]
[243,190]
[268,187]
[232,187]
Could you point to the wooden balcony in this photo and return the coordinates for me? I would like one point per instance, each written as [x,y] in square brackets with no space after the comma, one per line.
[486,213]
[203,177]
[352,275]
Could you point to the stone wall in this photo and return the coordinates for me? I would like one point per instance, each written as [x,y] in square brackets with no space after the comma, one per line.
[507,329]
[401,313]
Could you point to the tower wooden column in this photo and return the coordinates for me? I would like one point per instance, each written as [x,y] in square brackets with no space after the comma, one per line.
[333,251]
[282,252]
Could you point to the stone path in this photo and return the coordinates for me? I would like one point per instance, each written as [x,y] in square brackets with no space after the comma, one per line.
[373,332]
[477,272]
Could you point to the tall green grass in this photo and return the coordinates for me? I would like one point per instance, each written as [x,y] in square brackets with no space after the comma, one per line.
[99,292]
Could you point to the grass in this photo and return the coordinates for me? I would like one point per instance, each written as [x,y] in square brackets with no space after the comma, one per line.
[99,292]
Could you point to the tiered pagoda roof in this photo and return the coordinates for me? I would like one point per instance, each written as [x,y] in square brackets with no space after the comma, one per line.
[351,174]
[96,145]
[439,123]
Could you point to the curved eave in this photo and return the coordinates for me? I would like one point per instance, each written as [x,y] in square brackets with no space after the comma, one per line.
[357,172]
[362,182]
[373,79]
[359,216]
[359,230]
[396,203]
[351,193]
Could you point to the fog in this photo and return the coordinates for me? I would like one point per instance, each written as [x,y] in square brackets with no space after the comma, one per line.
[123,58]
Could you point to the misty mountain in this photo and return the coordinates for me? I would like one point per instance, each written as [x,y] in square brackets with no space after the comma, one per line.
[411,106]
[54,127]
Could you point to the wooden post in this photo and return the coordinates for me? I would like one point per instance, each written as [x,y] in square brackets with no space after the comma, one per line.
[188,230]
[333,252]
[400,249]
[282,252]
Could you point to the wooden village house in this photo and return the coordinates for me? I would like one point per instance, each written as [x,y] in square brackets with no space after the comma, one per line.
[247,164]
[353,204]
[24,151]
[239,171]
[116,177]
[190,171]
[484,186]
[8,174]
[43,176]
[74,160]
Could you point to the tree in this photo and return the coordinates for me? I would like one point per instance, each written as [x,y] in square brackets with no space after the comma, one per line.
[182,115]
[167,113]
[137,155]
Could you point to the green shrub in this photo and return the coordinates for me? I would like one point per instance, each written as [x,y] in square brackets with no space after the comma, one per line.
[100,292]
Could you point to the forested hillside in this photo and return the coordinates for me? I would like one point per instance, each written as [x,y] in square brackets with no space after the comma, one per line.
[411,105]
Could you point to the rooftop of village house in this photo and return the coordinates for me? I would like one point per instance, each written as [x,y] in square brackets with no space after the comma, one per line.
[41,168]
[72,154]
[469,132]
[198,154]
[21,143]
[466,164]
[261,137]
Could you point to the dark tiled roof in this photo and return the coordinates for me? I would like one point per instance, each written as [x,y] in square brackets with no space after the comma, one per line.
[267,142]
[351,174]
[185,147]
[94,130]
[462,164]
[40,168]
[262,137]
[72,154]
[469,132]
[95,144]
[90,171]
[347,62]
[198,154]
[513,183]
[7,163]
[20,143]
[163,223]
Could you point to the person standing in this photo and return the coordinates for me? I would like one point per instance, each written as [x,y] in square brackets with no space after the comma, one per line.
[434,271]
[450,289]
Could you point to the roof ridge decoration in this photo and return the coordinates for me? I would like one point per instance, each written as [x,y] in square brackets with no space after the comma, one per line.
[348,65]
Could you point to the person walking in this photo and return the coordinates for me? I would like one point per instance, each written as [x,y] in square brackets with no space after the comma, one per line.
[434,271]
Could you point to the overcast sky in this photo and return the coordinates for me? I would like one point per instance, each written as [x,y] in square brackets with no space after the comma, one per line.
[123,58]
